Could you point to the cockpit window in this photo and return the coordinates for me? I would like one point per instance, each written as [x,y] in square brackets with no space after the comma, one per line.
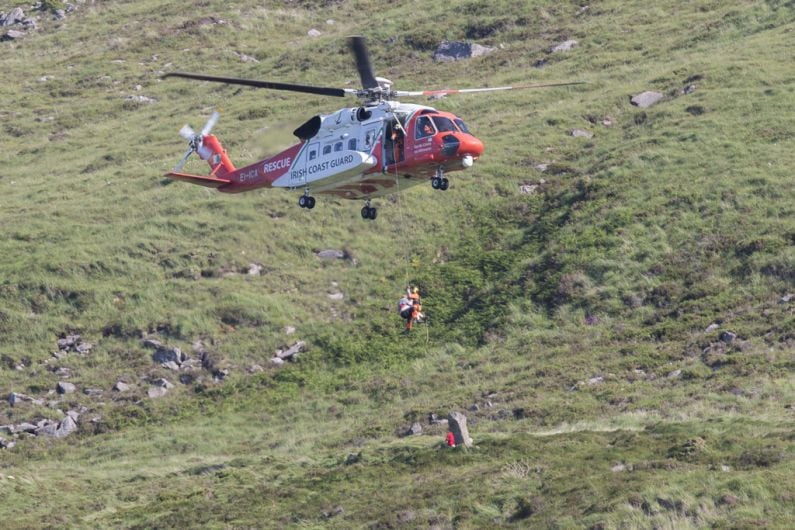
[424,127]
[462,126]
[443,124]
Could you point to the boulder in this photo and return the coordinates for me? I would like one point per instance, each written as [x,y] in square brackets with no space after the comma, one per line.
[156,391]
[330,254]
[65,388]
[727,336]
[564,46]
[581,133]
[166,354]
[121,386]
[93,392]
[25,427]
[163,383]
[457,50]
[646,99]
[415,429]
[458,426]
[314,33]
[15,16]
[12,34]
[289,353]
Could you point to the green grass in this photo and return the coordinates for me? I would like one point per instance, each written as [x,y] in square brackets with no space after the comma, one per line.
[573,318]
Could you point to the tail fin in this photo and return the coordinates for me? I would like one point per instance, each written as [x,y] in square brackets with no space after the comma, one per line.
[215,155]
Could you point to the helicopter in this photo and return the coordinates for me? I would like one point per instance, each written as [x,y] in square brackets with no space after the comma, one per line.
[376,148]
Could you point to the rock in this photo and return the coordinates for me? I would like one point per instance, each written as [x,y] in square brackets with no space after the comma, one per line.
[220,375]
[66,427]
[6,444]
[314,33]
[646,99]
[165,354]
[292,351]
[83,348]
[255,369]
[255,269]
[458,426]
[330,254]
[93,392]
[25,427]
[277,361]
[337,510]
[68,342]
[689,89]
[73,414]
[171,365]
[15,398]
[728,500]
[712,327]
[787,298]
[289,330]
[581,133]
[618,468]
[727,336]
[675,374]
[456,50]
[596,380]
[163,383]
[527,189]
[152,343]
[336,297]
[15,16]
[60,354]
[434,419]
[415,429]
[7,429]
[564,46]
[352,458]
[47,428]
[12,34]
[65,388]
[156,391]
[121,386]
[140,99]
[246,58]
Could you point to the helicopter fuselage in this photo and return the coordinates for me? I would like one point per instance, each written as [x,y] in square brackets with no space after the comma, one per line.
[356,153]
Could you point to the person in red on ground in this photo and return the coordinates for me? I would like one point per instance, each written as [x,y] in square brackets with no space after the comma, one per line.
[450,439]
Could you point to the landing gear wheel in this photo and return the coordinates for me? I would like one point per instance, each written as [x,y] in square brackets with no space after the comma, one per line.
[368,212]
[444,184]
[436,183]
[306,201]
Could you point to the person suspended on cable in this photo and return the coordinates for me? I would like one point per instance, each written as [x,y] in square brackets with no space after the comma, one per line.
[416,307]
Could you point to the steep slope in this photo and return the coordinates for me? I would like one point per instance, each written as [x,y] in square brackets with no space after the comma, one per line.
[613,313]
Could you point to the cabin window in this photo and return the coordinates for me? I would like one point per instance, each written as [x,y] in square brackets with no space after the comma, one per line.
[369,138]
[326,149]
[338,146]
[312,153]
[424,128]
[352,144]
[462,125]
[443,124]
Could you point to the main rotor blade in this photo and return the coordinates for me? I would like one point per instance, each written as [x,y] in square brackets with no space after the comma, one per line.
[445,92]
[322,91]
[363,62]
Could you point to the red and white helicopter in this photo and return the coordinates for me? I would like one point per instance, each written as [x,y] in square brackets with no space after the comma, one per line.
[359,152]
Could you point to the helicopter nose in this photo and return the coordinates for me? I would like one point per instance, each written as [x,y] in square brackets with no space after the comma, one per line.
[471,146]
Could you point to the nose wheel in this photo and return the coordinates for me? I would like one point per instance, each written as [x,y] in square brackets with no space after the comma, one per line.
[369,212]
[440,182]
[306,201]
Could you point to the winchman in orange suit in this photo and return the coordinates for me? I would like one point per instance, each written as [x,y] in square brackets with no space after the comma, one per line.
[416,308]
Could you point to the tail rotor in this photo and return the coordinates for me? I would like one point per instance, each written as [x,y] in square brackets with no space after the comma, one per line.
[195,141]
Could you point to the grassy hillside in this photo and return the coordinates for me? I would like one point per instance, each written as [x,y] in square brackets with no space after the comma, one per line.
[620,337]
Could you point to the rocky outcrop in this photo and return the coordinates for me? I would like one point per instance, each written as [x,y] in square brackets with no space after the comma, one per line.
[458,426]
[456,50]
